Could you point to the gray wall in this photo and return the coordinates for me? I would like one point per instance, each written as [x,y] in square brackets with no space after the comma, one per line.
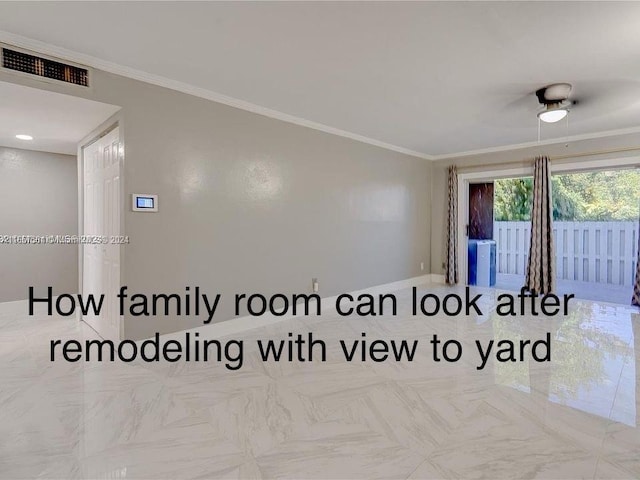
[508,159]
[39,197]
[253,204]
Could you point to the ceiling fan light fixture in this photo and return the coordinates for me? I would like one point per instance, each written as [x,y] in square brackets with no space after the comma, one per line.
[553,113]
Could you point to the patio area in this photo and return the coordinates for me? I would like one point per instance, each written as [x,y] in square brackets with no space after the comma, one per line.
[599,292]
[594,260]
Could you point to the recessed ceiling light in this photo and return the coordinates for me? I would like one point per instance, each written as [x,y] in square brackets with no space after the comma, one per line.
[22,136]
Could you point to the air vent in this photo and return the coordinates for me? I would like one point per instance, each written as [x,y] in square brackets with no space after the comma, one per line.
[44,67]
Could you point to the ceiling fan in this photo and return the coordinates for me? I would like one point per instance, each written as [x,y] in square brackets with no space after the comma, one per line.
[555,100]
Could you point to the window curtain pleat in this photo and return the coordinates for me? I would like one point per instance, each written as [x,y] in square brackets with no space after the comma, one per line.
[635,298]
[541,275]
[451,271]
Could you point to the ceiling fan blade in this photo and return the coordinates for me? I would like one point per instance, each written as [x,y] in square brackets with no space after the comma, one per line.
[515,106]
[607,96]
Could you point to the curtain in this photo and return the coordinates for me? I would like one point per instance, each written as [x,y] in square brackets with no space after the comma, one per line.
[541,275]
[635,299]
[451,272]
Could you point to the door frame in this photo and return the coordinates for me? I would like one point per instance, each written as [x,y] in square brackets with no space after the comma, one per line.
[103,129]
[466,178]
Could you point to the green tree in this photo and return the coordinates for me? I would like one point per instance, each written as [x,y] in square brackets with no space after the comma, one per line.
[513,198]
[592,196]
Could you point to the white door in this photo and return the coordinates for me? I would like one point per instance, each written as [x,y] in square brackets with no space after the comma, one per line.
[101,261]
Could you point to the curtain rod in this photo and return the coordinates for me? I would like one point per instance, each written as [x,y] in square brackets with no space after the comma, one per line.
[464,168]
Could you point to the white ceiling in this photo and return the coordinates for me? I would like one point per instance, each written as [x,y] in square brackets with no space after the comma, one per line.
[431,77]
[56,122]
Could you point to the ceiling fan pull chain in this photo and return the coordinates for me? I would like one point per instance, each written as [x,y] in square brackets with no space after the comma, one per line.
[538,129]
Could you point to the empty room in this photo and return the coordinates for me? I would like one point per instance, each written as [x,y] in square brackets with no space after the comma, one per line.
[319,240]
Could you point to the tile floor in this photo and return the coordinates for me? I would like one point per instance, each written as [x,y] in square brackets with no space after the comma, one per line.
[600,292]
[575,417]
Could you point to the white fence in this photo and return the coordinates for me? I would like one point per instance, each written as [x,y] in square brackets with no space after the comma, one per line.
[601,252]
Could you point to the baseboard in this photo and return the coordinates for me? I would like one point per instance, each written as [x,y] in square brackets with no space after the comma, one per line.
[14,306]
[22,306]
[238,325]
[242,324]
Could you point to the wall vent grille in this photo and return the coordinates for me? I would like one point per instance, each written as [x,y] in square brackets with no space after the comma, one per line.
[44,67]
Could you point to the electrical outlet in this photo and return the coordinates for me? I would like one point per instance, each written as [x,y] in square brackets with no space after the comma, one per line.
[315,285]
[421,265]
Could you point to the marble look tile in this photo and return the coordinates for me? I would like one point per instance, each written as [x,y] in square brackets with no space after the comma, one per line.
[607,470]
[575,417]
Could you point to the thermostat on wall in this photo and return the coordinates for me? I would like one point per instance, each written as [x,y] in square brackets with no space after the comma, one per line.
[142,202]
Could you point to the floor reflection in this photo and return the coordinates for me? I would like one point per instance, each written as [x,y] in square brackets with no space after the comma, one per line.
[573,417]
[594,362]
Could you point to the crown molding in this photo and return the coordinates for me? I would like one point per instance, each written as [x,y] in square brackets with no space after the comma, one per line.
[551,141]
[114,68]
[99,64]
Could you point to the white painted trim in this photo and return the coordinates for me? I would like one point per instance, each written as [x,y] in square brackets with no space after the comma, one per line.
[464,179]
[622,162]
[486,175]
[21,307]
[243,324]
[15,303]
[97,63]
[463,220]
[238,325]
[552,141]
[19,41]
[113,123]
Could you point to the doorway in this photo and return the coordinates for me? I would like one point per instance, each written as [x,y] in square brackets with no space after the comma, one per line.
[101,207]
[595,228]
[41,169]
[481,252]
[596,209]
